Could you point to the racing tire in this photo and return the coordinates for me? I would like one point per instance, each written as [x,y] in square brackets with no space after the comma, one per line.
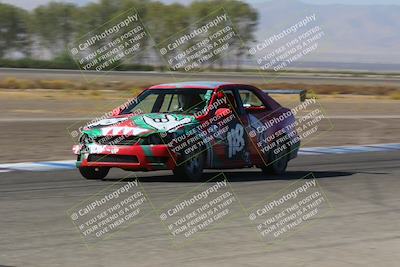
[278,163]
[191,168]
[94,173]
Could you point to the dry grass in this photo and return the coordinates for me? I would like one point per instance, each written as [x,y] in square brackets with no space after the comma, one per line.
[395,96]
[14,83]
[94,88]
[331,89]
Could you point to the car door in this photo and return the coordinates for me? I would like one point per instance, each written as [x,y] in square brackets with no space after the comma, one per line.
[255,111]
[230,149]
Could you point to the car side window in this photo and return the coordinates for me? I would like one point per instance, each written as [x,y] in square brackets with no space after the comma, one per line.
[170,103]
[231,100]
[250,99]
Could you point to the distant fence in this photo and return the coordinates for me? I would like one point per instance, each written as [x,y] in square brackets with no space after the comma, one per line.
[302,93]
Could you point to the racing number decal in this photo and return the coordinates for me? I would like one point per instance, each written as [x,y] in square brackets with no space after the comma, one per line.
[235,140]
[165,122]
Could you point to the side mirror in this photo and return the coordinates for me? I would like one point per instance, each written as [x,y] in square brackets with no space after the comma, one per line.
[223,112]
[116,111]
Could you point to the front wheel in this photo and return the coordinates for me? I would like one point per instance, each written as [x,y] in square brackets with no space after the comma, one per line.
[94,173]
[191,168]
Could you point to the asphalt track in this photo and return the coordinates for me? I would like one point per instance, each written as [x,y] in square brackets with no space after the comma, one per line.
[159,77]
[360,230]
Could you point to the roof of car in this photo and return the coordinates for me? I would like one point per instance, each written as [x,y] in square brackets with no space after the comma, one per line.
[197,84]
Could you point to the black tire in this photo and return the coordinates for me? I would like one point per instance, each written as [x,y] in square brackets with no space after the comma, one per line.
[277,163]
[94,173]
[191,168]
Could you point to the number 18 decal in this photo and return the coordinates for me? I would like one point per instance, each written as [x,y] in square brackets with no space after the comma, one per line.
[235,140]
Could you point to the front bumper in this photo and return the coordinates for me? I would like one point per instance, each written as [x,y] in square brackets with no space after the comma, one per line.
[135,157]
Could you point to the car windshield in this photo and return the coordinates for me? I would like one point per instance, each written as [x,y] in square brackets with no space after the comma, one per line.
[182,100]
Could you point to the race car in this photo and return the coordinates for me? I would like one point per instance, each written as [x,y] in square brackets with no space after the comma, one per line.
[187,127]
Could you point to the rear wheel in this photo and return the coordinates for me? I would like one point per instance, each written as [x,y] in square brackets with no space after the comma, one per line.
[277,162]
[191,168]
[94,173]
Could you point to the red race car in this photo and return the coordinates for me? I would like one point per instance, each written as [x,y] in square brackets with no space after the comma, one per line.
[188,127]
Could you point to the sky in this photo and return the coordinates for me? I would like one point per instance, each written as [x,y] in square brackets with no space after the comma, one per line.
[31,4]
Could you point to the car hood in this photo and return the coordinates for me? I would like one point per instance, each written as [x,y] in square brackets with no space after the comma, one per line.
[139,125]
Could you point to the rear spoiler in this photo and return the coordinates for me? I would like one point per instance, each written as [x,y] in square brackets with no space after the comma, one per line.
[301,92]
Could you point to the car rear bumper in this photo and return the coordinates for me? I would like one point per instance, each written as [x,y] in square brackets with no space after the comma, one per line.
[136,157]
